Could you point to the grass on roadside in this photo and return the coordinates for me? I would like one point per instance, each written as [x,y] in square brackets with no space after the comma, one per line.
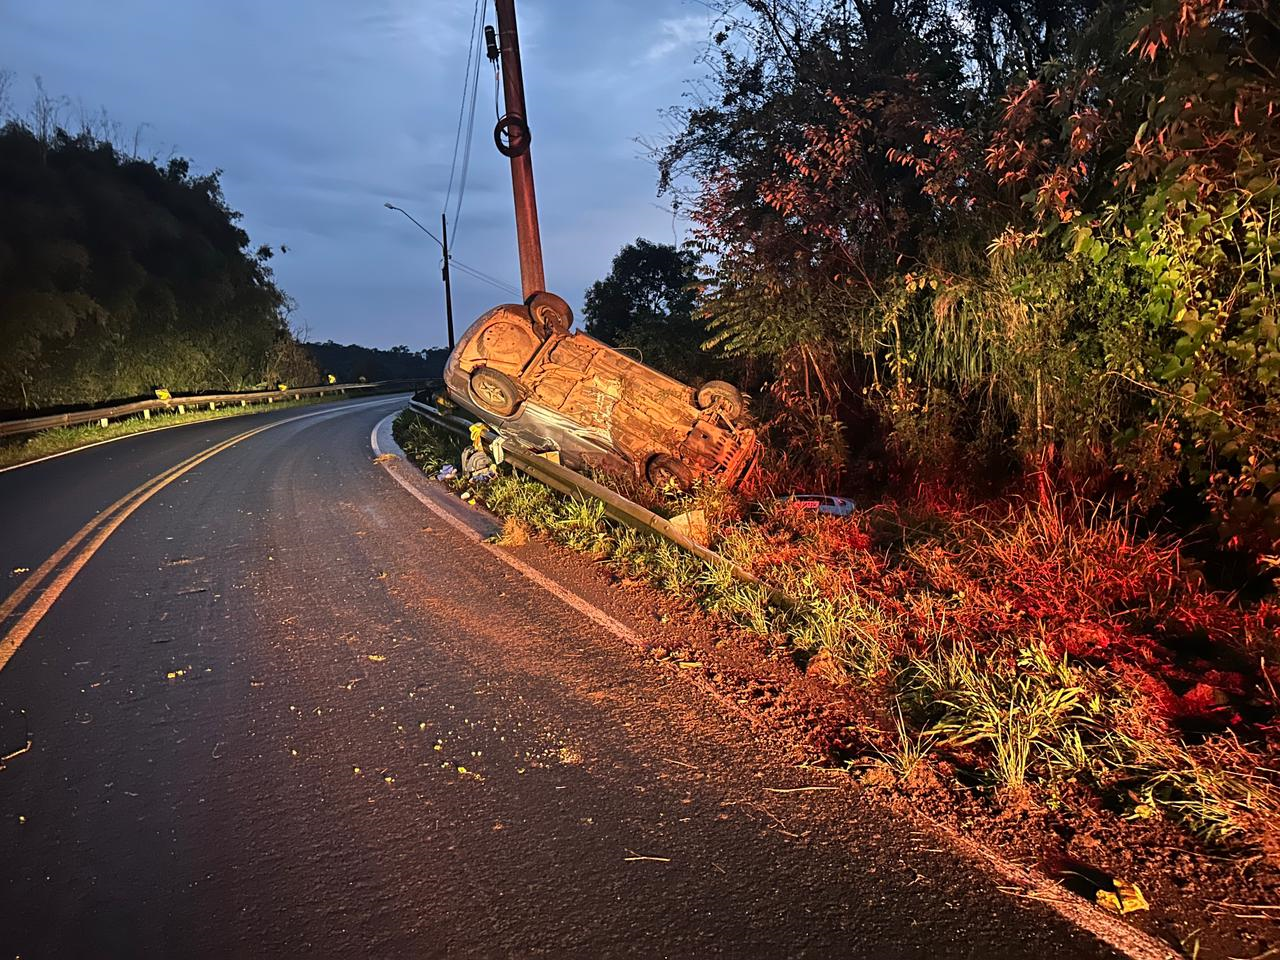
[62,439]
[1038,649]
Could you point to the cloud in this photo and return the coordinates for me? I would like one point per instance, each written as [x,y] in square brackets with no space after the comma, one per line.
[675,33]
[319,110]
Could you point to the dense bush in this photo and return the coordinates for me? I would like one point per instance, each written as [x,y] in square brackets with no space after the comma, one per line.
[119,275]
[1011,234]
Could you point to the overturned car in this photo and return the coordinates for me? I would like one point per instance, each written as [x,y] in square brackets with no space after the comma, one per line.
[520,370]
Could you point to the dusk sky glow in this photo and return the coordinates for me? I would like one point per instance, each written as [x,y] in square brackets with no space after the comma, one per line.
[318,112]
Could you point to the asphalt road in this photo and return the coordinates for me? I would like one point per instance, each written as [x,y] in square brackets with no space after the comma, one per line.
[283,709]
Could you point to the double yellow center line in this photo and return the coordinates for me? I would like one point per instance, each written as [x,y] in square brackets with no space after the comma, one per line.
[47,583]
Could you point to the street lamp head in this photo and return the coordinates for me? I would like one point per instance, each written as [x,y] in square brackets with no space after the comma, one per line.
[389,205]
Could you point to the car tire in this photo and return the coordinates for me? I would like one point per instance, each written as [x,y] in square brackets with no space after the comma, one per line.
[550,314]
[662,470]
[494,391]
[726,394]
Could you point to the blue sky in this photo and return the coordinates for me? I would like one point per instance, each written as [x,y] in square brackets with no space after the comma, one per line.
[318,111]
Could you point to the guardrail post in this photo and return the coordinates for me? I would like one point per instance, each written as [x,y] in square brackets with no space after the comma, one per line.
[213,406]
[182,408]
[146,414]
[102,422]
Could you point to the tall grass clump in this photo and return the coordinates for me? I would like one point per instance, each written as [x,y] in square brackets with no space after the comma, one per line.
[429,447]
[1029,713]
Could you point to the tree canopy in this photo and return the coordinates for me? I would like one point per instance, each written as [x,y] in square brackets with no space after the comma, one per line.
[1011,230]
[119,275]
[648,303]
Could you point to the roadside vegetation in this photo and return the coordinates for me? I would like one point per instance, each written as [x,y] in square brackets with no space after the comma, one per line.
[121,273]
[1034,653]
[1005,273]
[61,439]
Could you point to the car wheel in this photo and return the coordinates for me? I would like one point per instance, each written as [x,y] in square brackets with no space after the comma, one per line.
[494,391]
[550,313]
[662,471]
[726,395]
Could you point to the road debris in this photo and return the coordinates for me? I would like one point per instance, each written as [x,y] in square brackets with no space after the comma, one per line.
[797,789]
[1125,898]
[693,525]
[635,856]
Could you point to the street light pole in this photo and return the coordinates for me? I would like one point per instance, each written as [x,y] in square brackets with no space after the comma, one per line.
[448,290]
[444,246]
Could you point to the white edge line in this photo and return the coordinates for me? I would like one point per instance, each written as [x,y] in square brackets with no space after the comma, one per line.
[1114,932]
[128,436]
[386,444]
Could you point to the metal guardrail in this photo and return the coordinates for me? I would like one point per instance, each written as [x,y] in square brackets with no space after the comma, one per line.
[618,507]
[16,428]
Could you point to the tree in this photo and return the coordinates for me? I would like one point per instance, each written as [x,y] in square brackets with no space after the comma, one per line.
[119,275]
[647,302]
[1028,233]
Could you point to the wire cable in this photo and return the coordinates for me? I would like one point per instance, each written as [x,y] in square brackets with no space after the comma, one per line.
[497,88]
[472,53]
[471,125]
[485,278]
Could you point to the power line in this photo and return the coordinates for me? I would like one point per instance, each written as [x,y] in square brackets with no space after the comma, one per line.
[476,272]
[487,276]
[471,125]
[473,53]
[484,277]
[480,275]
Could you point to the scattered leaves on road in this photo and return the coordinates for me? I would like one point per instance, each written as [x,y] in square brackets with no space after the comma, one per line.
[1126,898]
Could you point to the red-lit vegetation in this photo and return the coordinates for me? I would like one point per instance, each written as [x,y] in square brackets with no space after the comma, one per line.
[1038,646]
[1030,647]
[1024,240]
[1008,270]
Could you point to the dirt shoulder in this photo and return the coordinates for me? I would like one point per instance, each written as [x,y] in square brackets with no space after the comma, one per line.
[1202,902]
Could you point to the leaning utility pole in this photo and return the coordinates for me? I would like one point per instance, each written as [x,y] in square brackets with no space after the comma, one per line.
[448,290]
[514,126]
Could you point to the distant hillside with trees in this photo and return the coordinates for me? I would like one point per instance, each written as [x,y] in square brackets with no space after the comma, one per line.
[350,362]
[120,274]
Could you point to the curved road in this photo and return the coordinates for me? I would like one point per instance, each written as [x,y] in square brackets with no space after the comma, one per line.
[283,708]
